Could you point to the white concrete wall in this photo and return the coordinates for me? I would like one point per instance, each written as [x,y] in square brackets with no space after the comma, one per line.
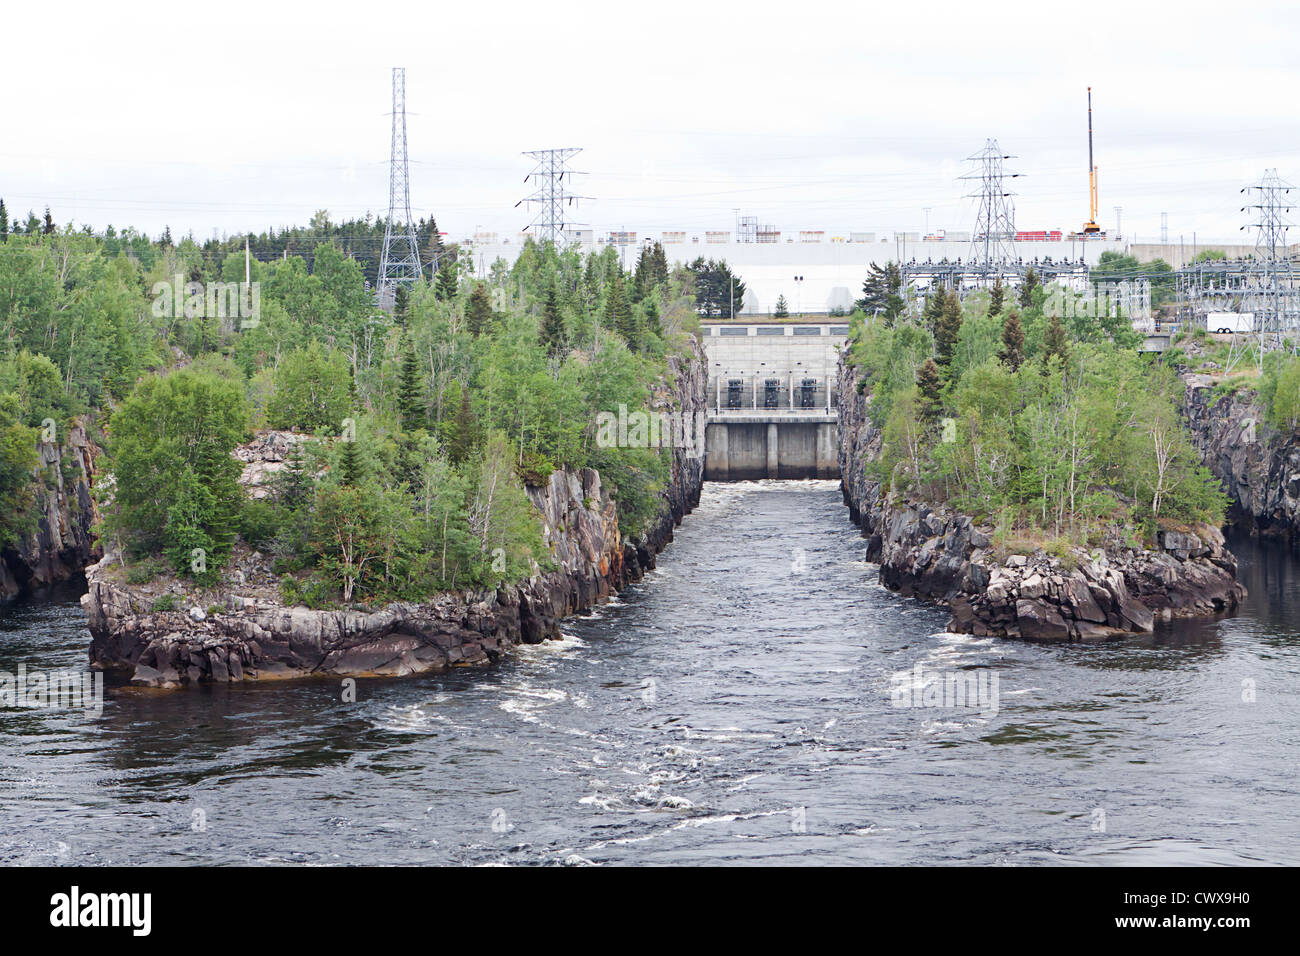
[832,271]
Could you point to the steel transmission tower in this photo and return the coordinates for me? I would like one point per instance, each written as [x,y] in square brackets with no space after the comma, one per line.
[400,263]
[548,175]
[992,241]
[1278,291]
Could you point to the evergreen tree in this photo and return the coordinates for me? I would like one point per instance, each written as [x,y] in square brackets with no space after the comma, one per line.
[659,264]
[478,313]
[1027,289]
[4,222]
[1012,353]
[932,314]
[652,321]
[464,432]
[435,253]
[447,282]
[410,401]
[642,279]
[401,304]
[996,296]
[717,288]
[930,383]
[48,228]
[1055,341]
[880,292]
[782,310]
[618,315]
[948,330]
[293,484]
[352,472]
[553,335]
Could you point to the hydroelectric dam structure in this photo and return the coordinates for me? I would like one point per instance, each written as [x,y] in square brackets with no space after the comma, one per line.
[772,409]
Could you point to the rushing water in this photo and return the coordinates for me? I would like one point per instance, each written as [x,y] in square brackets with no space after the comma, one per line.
[735,706]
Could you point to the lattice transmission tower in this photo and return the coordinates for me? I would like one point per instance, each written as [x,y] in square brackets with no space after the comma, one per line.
[993,239]
[549,176]
[1278,280]
[400,262]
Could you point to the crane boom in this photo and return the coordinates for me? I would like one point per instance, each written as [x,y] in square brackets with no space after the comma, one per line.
[1091,228]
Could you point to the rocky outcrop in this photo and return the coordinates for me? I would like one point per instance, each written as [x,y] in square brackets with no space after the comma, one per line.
[244,637]
[941,555]
[62,543]
[1259,468]
[268,454]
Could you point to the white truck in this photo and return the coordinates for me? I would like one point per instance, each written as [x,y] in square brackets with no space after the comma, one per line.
[1227,322]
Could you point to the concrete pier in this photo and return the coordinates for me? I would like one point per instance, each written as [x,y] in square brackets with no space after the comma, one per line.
[751,447]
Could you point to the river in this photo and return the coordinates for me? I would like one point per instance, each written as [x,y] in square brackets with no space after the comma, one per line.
[738,705]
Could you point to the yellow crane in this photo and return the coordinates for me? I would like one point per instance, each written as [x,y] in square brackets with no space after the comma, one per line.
[1090,228]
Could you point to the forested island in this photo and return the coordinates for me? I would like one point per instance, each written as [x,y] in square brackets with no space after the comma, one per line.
[1014,454]
[422,427]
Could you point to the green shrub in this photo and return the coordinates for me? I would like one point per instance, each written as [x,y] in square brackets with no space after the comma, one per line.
[260,520]
[145,570]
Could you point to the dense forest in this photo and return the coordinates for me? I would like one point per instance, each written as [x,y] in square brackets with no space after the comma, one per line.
[1051,427]
[424,425]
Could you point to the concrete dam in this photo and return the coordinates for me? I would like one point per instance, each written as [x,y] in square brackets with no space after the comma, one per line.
[772,408]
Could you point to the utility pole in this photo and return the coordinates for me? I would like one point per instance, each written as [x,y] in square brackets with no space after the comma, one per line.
[400,262]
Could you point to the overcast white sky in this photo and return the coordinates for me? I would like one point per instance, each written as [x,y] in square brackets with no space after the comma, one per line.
[812,115]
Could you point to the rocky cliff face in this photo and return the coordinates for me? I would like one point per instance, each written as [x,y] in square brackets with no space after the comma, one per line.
[942,555]
[1259,468]
[62,544]
[258,638]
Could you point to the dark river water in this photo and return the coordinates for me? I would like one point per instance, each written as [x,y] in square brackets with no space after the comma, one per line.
[738,705]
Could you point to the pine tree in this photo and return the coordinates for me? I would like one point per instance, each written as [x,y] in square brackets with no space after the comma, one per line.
[1027,289]
[932,314]
[401,304]
[434,250]
[447,282]
[553,335]
[4,222]
[478,313]
[642,280]
[48,228]
[410,401]
[1055,341]
[618,315]
[659,264]
[293,484]
[997,296]
[352,470]
[880,292]
[652,323]
[948,329]
[464,432]
[1012,353]
[782,310]
[930,383]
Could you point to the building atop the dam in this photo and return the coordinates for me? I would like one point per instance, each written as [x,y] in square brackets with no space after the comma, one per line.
[816,272]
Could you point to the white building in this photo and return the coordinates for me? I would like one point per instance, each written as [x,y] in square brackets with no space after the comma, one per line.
[816,273]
